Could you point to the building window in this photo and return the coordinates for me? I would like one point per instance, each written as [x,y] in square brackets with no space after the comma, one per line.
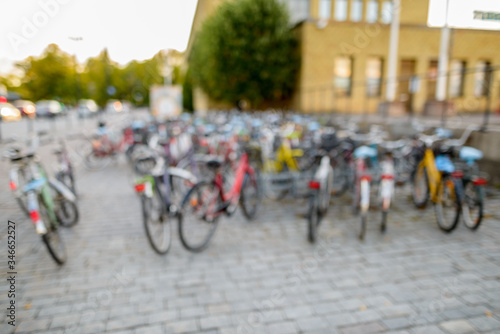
[457,78]
[343,75]
[373,76]
[356,10]
[325,9]
[340,10]
[372,11]
[482,79]
[387,11]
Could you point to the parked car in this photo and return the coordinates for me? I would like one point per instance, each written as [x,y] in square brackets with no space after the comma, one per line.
[48,108]
[27,108]
[9,113]
[87,108]
[114,106]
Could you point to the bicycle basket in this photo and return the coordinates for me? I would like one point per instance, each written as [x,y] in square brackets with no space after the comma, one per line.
[329,141]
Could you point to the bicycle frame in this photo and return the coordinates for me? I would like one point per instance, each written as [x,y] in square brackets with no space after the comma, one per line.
[104,146]
[285,155]
[234,193]
[433,174]
[148,184]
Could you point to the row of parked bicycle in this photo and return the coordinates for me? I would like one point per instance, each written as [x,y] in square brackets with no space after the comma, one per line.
[193,170]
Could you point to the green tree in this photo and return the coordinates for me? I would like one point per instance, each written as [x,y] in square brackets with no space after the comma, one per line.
[246,51]
[100,74]
[50,76]
[187,91]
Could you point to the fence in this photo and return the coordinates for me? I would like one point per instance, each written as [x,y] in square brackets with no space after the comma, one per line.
[469,90]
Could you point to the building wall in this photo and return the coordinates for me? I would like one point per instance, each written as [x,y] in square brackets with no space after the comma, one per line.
[321,41]
[359,40]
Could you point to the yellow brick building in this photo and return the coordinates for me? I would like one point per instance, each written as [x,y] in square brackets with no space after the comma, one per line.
[344,50]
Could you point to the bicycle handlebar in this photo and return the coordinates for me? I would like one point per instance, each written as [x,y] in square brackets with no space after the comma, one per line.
[465,136]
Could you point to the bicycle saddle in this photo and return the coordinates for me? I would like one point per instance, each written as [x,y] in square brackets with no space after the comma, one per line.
[392,145]
[213,164]
[18,156]
[364,152]
[470,154]
[444,164]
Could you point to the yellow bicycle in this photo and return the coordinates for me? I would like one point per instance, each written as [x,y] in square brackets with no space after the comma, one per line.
[278,169]
[434,179]
[285,159]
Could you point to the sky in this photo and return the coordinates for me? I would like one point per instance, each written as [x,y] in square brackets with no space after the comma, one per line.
[133,29]
[130,29]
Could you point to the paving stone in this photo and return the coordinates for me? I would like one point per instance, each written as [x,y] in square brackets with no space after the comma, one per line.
[457,326]
[396,323]
[373,327]
[157,329]
[427,330]
[298,312]
[214,321]
[313,323]
[183,326]
[412,280]
[283,328]
[63,320]
[32,325]
[485,323]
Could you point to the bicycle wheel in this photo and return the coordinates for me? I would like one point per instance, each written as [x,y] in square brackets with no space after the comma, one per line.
[420,187]
[197,166]
[67,212]
[156,222]
[68,180]
[383,224]
[447,207]
[364,188]
[277,185]
[312,218]
[52,239]
[325,193]
[362,231]
[472,205]
[198,220]
[21,197]
[341,177]
[144,166]
[95,161]
[250,195]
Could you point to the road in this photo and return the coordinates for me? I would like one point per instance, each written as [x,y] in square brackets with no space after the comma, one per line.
[256,277]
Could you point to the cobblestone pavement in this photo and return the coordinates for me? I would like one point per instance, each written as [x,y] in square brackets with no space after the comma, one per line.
[255,277]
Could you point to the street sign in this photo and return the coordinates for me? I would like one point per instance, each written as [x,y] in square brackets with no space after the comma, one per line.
[465,14]
[486,16]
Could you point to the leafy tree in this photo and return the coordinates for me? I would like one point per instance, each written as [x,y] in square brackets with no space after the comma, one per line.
[246,51]
[54,75]
[187,91]
[50,76]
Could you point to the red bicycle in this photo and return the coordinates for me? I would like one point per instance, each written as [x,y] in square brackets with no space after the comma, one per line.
[207,200]
[104,148]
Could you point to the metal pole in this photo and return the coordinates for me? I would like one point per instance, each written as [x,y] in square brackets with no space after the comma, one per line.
[443,67]
[443,59]
[489,73]
[393,53]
